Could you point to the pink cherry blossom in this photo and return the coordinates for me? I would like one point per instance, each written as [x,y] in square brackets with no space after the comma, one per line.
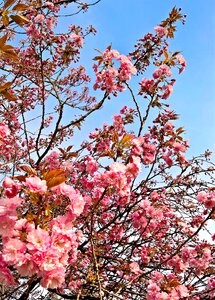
[26,266]
[36,185]
[4,130]
[182,62]
[12,187]
[162,70]
[181,291]
[49,4]
[202,196]
[179,147]
[92,165]
[8,215]
[147,86]
[167,91]
[53,279]
[167,158]
[39,18]
[208,199]
[77,203]
[8,182]
[13,251]
[77,39]
[160,31]
[134,267]
[169,126]
[38,239]
[134,167]
[24,225]
[7,223]
[111,78]
[6,277]
[211,286]
[149,151]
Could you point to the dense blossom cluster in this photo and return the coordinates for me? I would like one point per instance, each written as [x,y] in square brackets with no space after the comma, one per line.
[33,250]
[109,78]
[159,85]
[122,215]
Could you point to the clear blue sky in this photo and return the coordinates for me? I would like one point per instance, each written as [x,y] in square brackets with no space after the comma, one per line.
[122,22]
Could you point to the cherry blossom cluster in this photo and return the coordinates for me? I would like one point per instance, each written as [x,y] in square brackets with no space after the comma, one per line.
[159,85]
[154,289]
[109,78]
[36,251]
[33,250]
[208,199]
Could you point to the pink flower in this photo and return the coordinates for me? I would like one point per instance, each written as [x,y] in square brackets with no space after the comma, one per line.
[13,251]
[134,167]
[115,54]
[167,158]
[110,78]
[8,215]
[39,18]
[26,266]
[179,147]
[24,225]
[153,291]
[49,24]
[182,159]
[53,279]
[49,259]
[52,160]
[49,4]
[160,31]
[208,199]
[11,204]
[38,239]
[8,182]
[202,196]
[7,223]
[77,39]
[137,145]
[91,165]
[60,242]
[4,130]
[110,54]
[154,196]
[167,89]
[210,202]
[33,31]
[77,203]
[149,151]
[12,188]
[211,287]
[126,68]
[162,70]
[36,185]
[168,126]
[6,278]
[147,86]
[182,62]
[118,167]
[157,276]
[182,291]
[134,267]
[178,264]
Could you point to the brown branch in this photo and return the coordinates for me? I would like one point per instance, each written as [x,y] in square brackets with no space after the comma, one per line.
[73,297]
[73,123]
[31,286]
